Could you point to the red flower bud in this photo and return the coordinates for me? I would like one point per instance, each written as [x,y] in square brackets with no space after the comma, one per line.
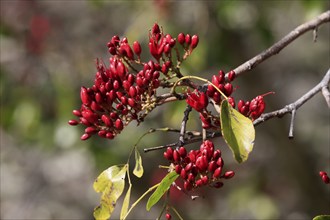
[176,156]
[119,124]
[187,185]
[212,166]
[182,152]
[121,70]
[218,184]
[188,39]
[137,48]
[155,29]
[183,174]
[168,216]
[194,42]
[231,101]
[221,76]
[109,135]
[205,180]
[90,130]
[85,137]
[229,174]
[178,168]
[73,122]
[199,183]
[228,89]
[85,99]
[132,92]
[217,172]
[181,38]
[107,121]
[191,177]
[76,113]
[231,75]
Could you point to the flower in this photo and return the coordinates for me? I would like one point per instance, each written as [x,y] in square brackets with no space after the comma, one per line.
[197,100]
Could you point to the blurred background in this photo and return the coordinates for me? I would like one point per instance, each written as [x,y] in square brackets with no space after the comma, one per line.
[48,49]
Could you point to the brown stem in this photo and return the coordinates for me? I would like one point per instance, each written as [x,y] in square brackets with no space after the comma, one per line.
[285,41]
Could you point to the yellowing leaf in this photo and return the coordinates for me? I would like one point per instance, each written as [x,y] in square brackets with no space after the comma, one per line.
[322,217]
[237,130]
[138,169]
[110,183]
[161,189]
[125,205]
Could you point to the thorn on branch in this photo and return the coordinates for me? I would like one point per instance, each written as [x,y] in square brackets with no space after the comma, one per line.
[326,95]
[315,34]
[293,115]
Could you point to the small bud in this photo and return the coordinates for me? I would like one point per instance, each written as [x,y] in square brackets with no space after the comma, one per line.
[76,113]
[229,174]
[107,121]
[109,135]
[183,174]
[212,166]
[325,179]
[90,130]
[85,137]
[178,168]
[231,75]
[220,162]
[102,133]
[137,48]
[188,39]
[168,216]
[217,172]
[221,76]
[188,167]
[119,124]
[182,152]
[228,87]
[181,38]
[218,184]
[194,42]
[176,156]
[73,122]
[85,99]
[187,185]
[199,183]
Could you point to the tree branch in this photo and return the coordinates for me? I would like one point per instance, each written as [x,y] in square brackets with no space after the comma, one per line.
[277,47]
[323,85]
[184,125]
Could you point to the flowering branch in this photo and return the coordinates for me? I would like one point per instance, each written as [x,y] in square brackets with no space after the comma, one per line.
[277,47]
[291,108]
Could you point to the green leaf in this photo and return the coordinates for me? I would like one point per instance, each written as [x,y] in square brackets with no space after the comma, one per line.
[124,208]
[237,130]
[138,169]
[161,189]
[322,217]
[110,183]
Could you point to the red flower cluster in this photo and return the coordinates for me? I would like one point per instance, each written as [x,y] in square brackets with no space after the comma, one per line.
[199,167]
[253,108]
[126,89]
[116,98]
[199,100]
